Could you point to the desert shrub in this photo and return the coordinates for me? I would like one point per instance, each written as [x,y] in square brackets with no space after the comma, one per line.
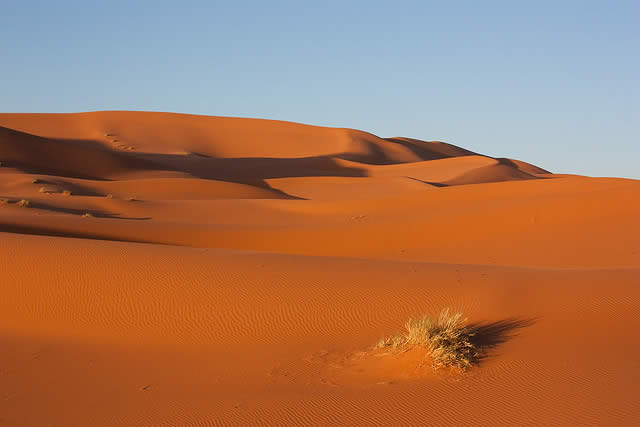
[66,193]
[446,338]
[24,203]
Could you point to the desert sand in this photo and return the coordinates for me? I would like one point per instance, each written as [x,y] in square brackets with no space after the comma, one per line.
[176,269]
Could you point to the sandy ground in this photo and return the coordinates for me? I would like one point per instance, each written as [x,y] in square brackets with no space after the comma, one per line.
[239,271]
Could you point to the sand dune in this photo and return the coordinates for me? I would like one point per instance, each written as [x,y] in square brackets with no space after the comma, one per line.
[239,271]
[83,159]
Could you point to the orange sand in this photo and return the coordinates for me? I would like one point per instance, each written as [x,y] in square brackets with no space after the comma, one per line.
[259,261]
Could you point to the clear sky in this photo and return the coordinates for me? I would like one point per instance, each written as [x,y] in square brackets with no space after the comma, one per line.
[555,83]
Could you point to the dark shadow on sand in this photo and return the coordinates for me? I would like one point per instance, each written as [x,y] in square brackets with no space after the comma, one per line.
[487,336]
[435,184]
[45,231]
[79,212]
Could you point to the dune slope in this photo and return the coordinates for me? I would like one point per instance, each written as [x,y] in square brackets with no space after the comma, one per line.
[238,271]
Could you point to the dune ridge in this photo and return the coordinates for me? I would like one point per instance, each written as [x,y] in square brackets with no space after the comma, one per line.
[238,272]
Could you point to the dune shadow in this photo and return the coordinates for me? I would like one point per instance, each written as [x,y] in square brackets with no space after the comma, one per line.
[75,189]
[52,232]
[511,163]
[91,212]
[423,150]
[251,170]
[435,184]
[73,158]
[195,153]
[487,336]
[375,155]
[96,160]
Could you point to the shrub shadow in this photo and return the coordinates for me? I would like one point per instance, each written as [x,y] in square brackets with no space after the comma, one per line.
[487,336]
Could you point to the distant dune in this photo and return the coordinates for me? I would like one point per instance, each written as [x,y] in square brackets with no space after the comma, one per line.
[175,269]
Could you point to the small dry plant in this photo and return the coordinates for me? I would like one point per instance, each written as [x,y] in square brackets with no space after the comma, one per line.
[24,203]
[446,338]
[44,190]
[66,193]
[88,215]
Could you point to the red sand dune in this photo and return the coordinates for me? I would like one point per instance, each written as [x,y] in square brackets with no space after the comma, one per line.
[238,271]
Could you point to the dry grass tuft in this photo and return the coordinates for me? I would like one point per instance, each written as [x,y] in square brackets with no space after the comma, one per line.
[446,338]
[66,193]
[87,215]
[109,196]
[24,203]
[44,190]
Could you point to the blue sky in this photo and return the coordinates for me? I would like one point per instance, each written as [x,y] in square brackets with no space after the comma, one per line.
[555,83]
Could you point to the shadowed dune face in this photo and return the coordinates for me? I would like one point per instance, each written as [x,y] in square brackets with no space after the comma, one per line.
[431,150]
[170,269]
[72,158]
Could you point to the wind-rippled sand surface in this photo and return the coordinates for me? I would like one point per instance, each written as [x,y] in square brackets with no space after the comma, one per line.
[239,271]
